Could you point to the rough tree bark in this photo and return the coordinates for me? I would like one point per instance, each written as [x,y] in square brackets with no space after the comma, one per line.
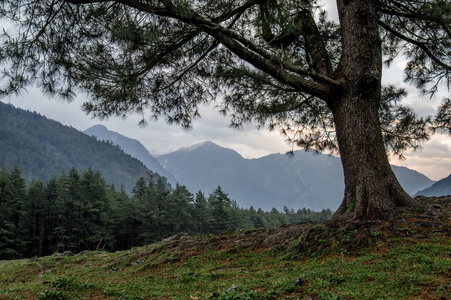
[371,188]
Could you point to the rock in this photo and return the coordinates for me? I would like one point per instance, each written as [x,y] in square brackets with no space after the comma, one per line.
[175,237]
[429,212]
[300,282]
[234,288]
[67,253]
[314,273]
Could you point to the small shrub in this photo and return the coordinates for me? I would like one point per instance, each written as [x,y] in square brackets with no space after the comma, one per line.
[63,282]
[52,295]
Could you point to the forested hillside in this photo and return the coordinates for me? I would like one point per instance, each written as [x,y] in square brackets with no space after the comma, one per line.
[79,211]
[42,148]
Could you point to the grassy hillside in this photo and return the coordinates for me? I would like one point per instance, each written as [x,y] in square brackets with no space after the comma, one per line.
[405,257]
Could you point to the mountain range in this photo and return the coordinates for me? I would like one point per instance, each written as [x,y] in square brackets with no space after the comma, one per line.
[43,148]
[306,179]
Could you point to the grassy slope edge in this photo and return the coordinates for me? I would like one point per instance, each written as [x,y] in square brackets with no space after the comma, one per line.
[405,257]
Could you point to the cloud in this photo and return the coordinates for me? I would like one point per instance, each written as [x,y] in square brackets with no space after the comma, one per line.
[433,160]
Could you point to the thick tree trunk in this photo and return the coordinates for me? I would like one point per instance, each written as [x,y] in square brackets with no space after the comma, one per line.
[371,188]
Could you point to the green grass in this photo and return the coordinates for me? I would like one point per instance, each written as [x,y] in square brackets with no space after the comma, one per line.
[419,271]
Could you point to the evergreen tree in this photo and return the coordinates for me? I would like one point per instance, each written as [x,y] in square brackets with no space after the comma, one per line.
[260,219]
[8,230]
[33,222]
[64,233]
[278,63]
[53,209]
[95,210]
[16,205]
[160,212]
[148,211]
[139,191]
[220,205]
[238,219]
[123,221]
[40,219]
[202,213]
[179,210]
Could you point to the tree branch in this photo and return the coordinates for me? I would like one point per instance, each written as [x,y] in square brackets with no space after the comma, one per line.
[315,45]
[238,45]
[419,44]
[308,86]
[413,13]
[237,11]
[284,38]
[211,48]
[85,1]
[305,25]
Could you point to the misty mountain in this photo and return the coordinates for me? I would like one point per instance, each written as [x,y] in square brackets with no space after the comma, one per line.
[43,148]
[307,179]
[440,188]
[206,165]
[132,147]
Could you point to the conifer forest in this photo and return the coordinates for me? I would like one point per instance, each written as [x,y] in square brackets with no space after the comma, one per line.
[78,211]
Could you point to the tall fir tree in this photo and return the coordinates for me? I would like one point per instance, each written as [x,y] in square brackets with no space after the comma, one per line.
[220,205]
[33,223]
[95,211]
[8,230]
[180,210]
[202,213]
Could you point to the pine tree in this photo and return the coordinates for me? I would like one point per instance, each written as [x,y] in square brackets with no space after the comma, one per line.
[179,211]
[52,210]
[19,198]
[33,222]
[124,224]
[202,213]
[95,209]
[8,230]
[147,211]
[220,205]
[281,64]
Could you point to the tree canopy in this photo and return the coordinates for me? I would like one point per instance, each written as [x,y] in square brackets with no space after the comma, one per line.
[281,64]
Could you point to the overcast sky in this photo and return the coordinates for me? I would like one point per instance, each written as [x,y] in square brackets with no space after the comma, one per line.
[434,160]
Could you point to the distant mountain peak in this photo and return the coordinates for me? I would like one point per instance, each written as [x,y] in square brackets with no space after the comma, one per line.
[98,127]
[205,145]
